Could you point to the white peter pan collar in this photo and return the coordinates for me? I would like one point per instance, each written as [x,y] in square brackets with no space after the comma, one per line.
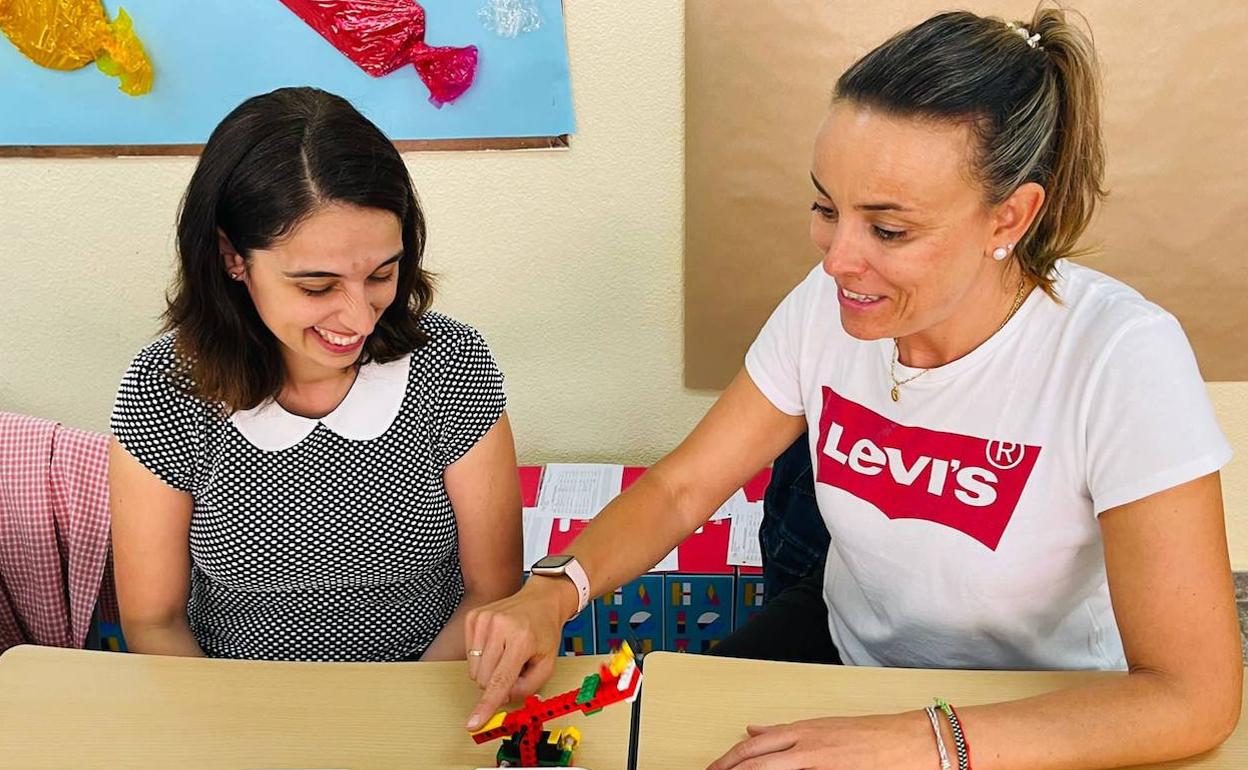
[366,412]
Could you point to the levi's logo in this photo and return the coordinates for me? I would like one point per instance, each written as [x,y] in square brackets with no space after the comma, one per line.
[968,483]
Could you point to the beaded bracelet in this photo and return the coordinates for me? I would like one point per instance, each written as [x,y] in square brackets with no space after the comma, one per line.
[945,764]
[962,748]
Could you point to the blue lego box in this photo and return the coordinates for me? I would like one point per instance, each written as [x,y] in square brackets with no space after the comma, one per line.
[578,634]
[632,613]
[699,611]
[749,601]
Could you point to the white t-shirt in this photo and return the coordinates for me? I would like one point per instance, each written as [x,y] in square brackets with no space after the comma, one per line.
[964,516]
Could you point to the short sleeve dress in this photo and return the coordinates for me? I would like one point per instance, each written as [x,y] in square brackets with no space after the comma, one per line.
[320,539]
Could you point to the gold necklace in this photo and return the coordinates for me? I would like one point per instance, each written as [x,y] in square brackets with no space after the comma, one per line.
[892,366]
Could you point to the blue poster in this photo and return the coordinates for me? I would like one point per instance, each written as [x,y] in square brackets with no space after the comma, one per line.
[210,55]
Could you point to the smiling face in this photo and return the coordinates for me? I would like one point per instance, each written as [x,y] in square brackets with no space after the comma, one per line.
[321,289]
[902,225]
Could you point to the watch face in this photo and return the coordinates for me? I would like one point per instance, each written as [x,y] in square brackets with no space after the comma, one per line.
[551,562]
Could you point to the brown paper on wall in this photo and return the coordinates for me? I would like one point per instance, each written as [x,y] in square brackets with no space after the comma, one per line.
[1175,226]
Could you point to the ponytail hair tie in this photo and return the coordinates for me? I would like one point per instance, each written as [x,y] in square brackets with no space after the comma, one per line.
[1025,34]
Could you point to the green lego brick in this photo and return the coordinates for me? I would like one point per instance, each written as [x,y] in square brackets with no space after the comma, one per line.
[588,688]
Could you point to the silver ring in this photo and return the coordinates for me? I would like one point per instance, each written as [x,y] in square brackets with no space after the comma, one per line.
[476,653]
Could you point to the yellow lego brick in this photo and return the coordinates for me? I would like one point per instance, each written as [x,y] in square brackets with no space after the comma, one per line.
[494,722]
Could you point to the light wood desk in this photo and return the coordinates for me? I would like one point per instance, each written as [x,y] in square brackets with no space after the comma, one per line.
[78,709]
[694,708]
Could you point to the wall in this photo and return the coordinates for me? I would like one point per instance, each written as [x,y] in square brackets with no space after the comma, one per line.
[569,262]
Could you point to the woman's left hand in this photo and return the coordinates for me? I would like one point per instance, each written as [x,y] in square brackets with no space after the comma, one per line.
[889,742]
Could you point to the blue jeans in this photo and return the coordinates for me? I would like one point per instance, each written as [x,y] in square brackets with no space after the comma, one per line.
[793,624]
[793,537]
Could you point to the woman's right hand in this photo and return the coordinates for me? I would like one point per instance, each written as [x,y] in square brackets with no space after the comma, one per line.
[512,643]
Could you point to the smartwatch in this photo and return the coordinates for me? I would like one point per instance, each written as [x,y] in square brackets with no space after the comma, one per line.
[569,567]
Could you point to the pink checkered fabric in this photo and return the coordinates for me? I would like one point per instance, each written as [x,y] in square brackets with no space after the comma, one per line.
[30,564]
[53,530]
[80,503]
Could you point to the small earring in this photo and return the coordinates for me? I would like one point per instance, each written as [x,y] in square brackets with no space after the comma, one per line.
[1000,253]
[236,276]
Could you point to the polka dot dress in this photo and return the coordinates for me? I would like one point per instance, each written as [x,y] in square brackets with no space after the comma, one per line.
[308,544]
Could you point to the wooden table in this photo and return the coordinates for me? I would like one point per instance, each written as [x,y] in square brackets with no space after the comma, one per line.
[694,708]
[73,708]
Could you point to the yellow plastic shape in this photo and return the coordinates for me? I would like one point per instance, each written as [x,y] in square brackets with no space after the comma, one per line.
[70,34]
[567,738]
[621,659]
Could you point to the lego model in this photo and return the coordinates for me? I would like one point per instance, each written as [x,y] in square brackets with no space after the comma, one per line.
[526,744]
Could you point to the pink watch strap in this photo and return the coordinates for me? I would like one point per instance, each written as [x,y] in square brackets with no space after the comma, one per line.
[576,573]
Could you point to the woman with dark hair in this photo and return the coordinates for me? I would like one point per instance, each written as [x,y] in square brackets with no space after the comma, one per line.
[1015,455]
[309,464]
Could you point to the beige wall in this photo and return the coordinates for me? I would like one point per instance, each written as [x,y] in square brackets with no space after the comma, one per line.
[746,218]
[569,262]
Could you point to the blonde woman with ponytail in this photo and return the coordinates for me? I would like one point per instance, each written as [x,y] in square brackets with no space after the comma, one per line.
[1015,455]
